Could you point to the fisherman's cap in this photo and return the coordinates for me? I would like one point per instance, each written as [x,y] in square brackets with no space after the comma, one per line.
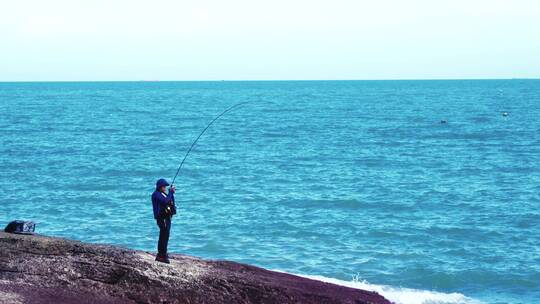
[161,182]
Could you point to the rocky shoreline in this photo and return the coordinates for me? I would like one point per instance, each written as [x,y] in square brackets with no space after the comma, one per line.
[42,269]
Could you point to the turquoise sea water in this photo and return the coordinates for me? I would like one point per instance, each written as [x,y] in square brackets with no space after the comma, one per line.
[355,182]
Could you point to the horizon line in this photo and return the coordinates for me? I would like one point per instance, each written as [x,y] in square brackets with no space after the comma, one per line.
[271,80]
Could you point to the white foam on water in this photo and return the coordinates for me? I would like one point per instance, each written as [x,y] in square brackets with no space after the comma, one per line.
[399,295]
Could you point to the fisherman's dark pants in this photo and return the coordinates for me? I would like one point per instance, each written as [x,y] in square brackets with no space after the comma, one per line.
[164,224]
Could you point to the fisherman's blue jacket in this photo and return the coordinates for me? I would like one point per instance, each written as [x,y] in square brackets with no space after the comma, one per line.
[160,201]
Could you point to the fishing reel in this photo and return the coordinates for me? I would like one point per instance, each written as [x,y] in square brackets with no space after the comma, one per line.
[170,210]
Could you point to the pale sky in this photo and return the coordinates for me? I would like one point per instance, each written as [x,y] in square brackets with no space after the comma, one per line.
[275,39]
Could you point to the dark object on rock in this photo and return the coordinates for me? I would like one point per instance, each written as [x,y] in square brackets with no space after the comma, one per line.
[21,227]
[39,269]
[163,259]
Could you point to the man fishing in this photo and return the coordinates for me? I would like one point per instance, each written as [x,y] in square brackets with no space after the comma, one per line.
[164,209]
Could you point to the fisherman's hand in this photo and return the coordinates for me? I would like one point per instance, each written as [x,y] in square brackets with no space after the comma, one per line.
[172,189]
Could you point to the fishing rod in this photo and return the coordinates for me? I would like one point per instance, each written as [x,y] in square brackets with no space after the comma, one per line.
[197,139]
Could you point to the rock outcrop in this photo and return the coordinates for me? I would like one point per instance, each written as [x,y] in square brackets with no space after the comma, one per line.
[41,269]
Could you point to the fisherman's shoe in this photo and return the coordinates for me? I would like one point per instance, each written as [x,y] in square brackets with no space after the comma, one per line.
[163,259]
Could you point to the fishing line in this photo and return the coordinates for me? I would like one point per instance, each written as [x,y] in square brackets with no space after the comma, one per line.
[197,139]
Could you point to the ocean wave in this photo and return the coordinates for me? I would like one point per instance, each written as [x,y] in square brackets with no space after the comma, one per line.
[351,204]
[400,295]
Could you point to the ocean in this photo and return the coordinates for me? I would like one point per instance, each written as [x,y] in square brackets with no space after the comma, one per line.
[421,190]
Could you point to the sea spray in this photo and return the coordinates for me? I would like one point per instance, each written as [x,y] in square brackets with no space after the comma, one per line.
[400,295]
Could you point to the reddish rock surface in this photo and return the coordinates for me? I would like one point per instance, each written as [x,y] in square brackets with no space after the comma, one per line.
[40,269]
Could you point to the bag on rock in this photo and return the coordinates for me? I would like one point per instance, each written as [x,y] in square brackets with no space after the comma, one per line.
[21,227]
